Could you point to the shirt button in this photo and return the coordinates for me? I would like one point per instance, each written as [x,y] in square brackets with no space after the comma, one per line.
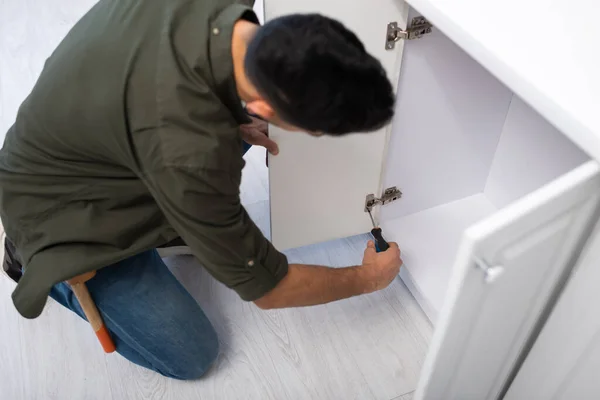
[251,263]
[216,31]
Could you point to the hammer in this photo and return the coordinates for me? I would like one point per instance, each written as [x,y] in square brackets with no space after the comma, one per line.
[90,310]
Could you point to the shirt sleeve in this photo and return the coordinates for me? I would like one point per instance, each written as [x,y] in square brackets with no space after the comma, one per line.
[205,210]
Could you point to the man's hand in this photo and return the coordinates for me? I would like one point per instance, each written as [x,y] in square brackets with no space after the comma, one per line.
[380,269]
[257,133]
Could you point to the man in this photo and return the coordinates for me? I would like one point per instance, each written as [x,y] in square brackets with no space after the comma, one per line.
[131,139]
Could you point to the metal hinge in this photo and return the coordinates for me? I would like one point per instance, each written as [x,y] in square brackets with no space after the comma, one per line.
[419,26]
[389,195]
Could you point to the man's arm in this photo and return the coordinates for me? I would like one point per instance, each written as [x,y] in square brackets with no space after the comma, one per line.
[203,207]
[306,285]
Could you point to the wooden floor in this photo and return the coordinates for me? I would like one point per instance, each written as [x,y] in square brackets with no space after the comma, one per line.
[369,347]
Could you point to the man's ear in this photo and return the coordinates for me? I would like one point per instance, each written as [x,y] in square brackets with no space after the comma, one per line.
[261,108]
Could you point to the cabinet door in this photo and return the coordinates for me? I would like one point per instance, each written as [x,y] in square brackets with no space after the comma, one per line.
[564,361]
[305,206]
[507,268]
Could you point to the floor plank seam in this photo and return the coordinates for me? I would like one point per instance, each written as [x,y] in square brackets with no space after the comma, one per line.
[403,396]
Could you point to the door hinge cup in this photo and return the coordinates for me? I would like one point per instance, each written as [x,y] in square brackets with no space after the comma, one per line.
[419,26]
[389,195]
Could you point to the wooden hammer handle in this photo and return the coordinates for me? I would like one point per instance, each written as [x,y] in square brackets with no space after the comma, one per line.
[91,312]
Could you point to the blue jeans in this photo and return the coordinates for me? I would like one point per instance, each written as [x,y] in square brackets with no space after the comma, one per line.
[152,319]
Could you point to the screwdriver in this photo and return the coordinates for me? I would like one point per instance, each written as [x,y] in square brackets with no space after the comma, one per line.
[380,243]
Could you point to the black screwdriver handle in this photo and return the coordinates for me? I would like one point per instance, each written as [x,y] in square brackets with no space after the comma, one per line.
[380,243]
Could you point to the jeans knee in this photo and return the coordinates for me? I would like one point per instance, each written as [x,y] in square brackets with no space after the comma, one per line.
[198,359]
[201,366]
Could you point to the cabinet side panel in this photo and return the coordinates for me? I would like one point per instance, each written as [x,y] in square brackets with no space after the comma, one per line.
[530,154]
[449,117]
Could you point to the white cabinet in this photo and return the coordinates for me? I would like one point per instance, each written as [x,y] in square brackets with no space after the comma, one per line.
[489,187]
[461,147]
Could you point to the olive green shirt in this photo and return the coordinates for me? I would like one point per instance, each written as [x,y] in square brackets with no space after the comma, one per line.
[129,139]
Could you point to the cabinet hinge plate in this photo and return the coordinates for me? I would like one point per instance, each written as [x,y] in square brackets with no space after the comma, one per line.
[419,26]
[389,195]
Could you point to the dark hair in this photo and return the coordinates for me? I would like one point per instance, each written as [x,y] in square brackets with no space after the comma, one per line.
[317,75]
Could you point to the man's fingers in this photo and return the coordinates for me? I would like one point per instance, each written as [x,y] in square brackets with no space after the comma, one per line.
[394,245]
[259,124]
[370,251]
[272,147]
[258,138]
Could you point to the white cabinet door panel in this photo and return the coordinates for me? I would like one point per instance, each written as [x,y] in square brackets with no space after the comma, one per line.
[484,325]
[563,363]
[318,185]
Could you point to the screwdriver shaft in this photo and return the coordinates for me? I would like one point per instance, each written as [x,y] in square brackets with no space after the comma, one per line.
[372,219]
